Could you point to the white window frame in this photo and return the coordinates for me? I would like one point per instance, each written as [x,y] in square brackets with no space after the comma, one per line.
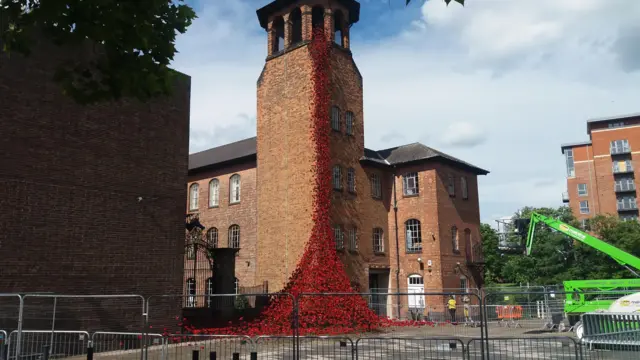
[212,237]
[209,290]
[234,188]
[214,193]
[584,207]
[351,180]
[571,169]
[376,186]
[339,237]
[416,287]
[619,146]
[194,195]
[627,202]
[465,187]
[337,177]
[353,239]
[335,119]
[413,234]
[349,122]
[625,184]
[616,124]
[410,184]
[378,240]
[464,284]
[191,292]
[582,192]
[455,239]
[234,236]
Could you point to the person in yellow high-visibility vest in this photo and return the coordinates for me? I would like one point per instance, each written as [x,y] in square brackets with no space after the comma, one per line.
[451,304]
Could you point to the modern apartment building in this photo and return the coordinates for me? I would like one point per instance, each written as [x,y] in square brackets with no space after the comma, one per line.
[601,172]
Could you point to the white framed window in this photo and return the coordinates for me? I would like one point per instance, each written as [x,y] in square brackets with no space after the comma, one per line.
[335,118]
[353,239]
[464,284]
[455,242]
[619,147]
[234,189]
[629,217]
[351,180]
[464,187]
[416,290]
[614,125]
[376,186]
[212,237]
[626,183]
[191,252]
[349,122]
[378,240]
[452,186]
[410,184]
[236,285]
[622,166]
[193,196]
[584,207]
[627,203]
[337,177]
[209,291]
[413,234]
[191,292]
[585,224]
[571,170]
[582,189]
[339,237]
[214,193]
[234,236]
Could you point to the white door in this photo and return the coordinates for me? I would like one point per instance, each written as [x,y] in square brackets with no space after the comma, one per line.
[416,286]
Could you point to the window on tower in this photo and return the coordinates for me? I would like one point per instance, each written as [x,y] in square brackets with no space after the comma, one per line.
[295,17]
[278,38]
[335,118]
[338,20]
[317,17]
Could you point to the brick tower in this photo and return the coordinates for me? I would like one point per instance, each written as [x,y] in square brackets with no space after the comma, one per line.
[284,147]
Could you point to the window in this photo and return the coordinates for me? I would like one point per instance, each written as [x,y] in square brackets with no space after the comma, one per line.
[236,285]
[410,184]
[584,207]
[234,189]
[378,240]
[413,236]
[191,251]
[625,184]
[339,239]
[351,180]
[376,186]
[234,236]
[209,291]
[614,125]
[335,118]
[353,239]
[191,292]
[627,203]
[416,286]
[337,177]
[349,121]
[454,239]
[214,193]
[629,217]
[464,285]
[620,147]
[193,197]
[585,225]
[582,189]
[212,237]
[622,166]
[467,240]
[452,186]
[465,188]
[571,171]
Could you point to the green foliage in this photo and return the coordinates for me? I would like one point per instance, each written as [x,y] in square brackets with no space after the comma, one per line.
[241,302]
[556,257]
[133,42]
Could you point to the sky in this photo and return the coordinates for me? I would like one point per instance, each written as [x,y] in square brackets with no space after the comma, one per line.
[498,83]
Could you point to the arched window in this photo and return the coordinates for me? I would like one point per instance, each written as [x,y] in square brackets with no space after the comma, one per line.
[278,38]
[212,237]
[234,236]
[378,240]
[317,17]
[214,193]
[413,234]
[193,197]
[191,292]
[337,177]
[209,290]
[349,122]
[295,17]
[234,189]
[454,238]
[335,118]
[338,20]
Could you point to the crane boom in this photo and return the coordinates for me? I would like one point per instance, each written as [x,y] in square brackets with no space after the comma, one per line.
[631,262]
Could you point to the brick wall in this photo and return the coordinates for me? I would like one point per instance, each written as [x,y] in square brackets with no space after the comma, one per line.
[70,181]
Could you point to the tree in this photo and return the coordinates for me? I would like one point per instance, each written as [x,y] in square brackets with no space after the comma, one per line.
[136,40]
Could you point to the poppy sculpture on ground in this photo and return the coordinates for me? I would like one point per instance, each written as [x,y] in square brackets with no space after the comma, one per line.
[320,270]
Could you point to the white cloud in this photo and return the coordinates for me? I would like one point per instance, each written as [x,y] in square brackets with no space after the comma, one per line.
[524,75]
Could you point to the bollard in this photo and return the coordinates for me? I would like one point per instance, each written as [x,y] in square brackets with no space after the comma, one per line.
[45,355]
[236,356]
[253,356]
[90,353]
[212,355]
[195,355]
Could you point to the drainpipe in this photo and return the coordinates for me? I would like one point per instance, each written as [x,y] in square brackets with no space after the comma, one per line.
[395,213]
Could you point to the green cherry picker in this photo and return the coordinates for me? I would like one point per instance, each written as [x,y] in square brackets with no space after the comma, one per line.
[590,295]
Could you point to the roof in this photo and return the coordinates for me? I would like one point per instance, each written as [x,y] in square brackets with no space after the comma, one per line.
[245,150]
[352,6]
[574,144]
[610,118]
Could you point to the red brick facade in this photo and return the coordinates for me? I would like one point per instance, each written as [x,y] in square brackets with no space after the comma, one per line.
[592,186]
[277,185]
[92,196]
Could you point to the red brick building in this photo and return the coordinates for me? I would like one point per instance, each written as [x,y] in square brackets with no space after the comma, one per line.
[601,172]
[261,188]
[91,197]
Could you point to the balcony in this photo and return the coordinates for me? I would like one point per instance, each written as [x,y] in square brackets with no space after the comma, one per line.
[565,197]
[622,167]
[624,187]
[620,150]
[627,205]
